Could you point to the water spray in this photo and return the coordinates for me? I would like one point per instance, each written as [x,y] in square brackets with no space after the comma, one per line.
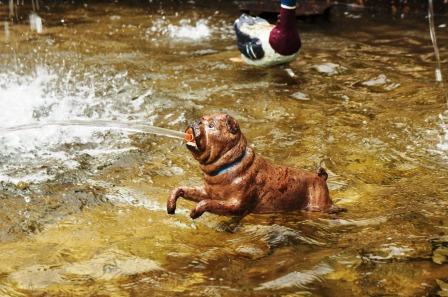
[136,127]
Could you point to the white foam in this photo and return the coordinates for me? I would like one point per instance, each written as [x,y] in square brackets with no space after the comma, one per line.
[38,177]
[20,97]
[187,30]
[198,31]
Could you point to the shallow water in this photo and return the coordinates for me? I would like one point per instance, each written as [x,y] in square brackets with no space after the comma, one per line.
[83,208]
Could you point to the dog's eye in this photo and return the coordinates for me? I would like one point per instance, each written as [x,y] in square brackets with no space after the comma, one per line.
[211,125]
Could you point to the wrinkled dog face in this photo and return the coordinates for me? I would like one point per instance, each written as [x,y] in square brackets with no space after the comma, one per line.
[211,136]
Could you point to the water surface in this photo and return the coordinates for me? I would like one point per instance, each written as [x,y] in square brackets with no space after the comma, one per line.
[83,207]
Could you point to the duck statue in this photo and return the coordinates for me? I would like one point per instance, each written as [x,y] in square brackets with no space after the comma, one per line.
[263,44]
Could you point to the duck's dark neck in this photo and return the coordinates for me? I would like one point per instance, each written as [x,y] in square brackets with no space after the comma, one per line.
[288,4]
[284,38]
[287,18]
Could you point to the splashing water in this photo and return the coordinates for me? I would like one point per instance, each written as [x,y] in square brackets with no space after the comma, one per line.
[44,114]
[186,31]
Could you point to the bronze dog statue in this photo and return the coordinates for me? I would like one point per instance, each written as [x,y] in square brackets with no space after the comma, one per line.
[238,181]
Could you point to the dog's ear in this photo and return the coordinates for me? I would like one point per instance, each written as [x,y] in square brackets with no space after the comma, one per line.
[232,125]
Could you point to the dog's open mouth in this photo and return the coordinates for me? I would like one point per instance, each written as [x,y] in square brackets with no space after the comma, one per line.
[190,139]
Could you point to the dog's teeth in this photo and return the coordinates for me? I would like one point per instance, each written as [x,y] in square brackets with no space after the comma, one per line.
[192,144]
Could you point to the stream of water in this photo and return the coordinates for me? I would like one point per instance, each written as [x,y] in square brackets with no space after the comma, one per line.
[130,127]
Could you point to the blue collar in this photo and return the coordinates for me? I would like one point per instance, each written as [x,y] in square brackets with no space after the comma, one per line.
[227,167]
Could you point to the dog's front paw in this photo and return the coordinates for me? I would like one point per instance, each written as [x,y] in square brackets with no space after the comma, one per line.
[171,208]
[194,214]
[171,203]
[198,210]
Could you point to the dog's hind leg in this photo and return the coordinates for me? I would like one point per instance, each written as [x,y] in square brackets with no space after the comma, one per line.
[322,173]
[195,194]
[318,196]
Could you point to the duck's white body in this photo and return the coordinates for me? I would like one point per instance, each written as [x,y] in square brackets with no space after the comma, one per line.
[262,30]
[263,44]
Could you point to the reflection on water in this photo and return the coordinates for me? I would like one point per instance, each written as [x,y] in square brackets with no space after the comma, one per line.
[83,206]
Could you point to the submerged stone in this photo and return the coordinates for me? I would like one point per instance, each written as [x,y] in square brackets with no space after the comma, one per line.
[440,250]
[330,69]
[443,288]
[440,255]
[377,81]
[251,252]
[300,96]
[381,81]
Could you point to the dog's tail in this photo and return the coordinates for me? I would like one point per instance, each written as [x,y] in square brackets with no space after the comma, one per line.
[322,173]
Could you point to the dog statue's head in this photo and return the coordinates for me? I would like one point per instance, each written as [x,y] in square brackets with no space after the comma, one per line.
[214,136]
